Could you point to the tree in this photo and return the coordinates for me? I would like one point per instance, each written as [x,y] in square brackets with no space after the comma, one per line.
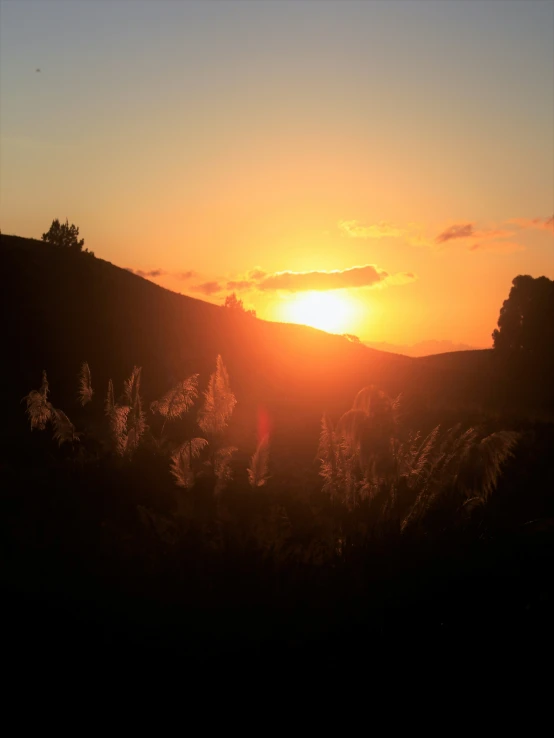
[64,235]
[526,325]
[233,303]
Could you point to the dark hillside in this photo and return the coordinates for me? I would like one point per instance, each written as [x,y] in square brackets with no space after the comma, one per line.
[60,308]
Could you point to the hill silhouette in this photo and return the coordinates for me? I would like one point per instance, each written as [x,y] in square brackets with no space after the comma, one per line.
[422,348]
[61,307]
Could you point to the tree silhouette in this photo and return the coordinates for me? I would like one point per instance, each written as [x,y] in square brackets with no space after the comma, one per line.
[232,302]
[64,235]
[526,325]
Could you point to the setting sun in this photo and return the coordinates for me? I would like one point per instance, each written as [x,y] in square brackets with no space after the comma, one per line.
[329,311]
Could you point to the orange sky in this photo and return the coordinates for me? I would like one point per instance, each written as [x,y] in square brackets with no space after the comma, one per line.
[405,147]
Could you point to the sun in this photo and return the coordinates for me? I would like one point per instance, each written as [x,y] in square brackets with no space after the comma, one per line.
[329,311]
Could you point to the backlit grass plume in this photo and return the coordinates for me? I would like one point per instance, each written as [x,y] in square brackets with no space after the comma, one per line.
[110,401]
[219,401]
[181,461]
[222,467]
[127,420]
[131,386]
[39,408]
[175,403]
[118,427]
[64,430]
[257,472]
[363,459]
[85,386]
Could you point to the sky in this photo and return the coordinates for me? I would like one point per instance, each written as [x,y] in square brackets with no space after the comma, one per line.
[382,168]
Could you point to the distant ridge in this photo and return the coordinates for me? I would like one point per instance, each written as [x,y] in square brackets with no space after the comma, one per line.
[422,348]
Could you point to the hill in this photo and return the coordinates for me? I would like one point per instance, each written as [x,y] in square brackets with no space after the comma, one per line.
[60,308]
[422,348]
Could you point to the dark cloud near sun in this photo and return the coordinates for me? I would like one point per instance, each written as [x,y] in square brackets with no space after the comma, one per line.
[464,230]
[482,239]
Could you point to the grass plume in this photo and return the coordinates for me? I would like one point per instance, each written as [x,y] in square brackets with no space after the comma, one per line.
[39,408]
[257,471]
[85,385]
[219,401]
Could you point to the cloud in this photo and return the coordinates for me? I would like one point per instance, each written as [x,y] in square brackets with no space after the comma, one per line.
[208,288]
[354,229]
[541,224]
[490,239]
[151,273]
[367,275]
[147,275]
[358,276]
[186,275]
[464,230]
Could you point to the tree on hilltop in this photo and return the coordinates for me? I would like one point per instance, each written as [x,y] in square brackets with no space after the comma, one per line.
[232,302]
[64,235]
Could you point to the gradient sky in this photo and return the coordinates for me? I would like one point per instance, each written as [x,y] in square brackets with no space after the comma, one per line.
[406,146]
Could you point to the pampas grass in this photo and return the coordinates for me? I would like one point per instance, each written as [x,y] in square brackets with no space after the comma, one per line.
[222,468]
[110,402]
[39,408]
[362,457]
[175,403]
[85,386]
[181,461]
[64,430]
[219,401]
[257,471]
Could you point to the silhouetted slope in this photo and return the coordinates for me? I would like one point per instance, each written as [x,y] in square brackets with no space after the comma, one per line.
[60,308]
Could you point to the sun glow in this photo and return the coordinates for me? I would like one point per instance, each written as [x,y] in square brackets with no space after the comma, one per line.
[333,312]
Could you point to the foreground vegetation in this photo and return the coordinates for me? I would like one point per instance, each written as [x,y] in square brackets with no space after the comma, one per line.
[154,536]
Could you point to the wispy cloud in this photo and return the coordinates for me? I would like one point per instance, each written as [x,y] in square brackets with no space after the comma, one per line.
[479,239]
[464,230]
[541,224]
[354,229]
[147,274]
[153,273]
